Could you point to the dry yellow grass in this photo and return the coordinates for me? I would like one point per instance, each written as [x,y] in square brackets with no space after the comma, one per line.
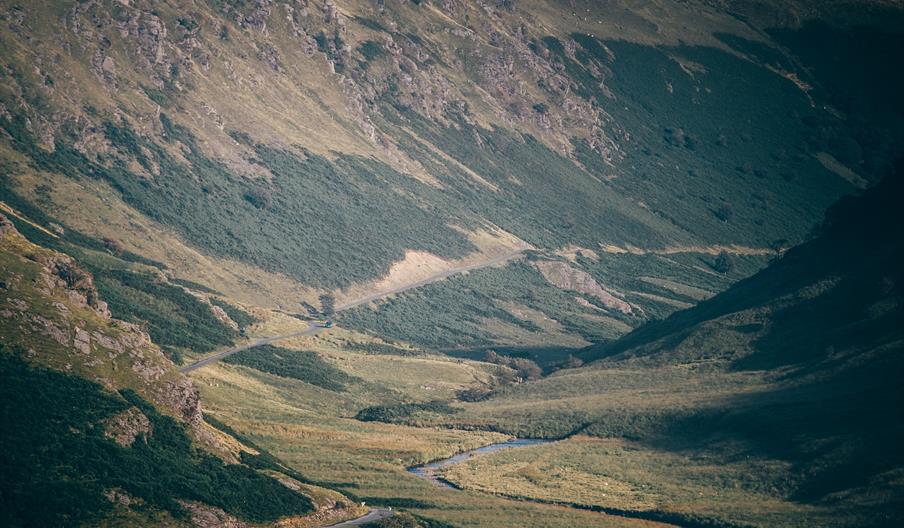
[616,473]
[309,428]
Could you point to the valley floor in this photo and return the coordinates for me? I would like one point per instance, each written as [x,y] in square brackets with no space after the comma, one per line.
[312,430]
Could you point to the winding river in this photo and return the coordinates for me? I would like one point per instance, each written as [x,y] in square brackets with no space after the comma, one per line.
[429,471]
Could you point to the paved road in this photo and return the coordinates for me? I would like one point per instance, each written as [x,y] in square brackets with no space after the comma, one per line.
[311,329]
[314,328]
[372,516]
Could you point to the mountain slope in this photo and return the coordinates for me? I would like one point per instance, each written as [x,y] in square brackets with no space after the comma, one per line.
[100,427]
[776,402]
[274,150]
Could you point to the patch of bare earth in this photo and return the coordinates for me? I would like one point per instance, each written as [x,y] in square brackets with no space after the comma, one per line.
[493,245]
[564,277]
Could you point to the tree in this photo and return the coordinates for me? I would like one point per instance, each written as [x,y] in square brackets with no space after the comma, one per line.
[526,369]
[723,263]
[724,212]
[573,362]
[778,245]
[491,357]
[327,304]
[259,197]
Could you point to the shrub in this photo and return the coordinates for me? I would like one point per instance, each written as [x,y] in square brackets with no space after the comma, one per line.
[259,197]
[723,263]
[524,368]
[327,305]
[303,366]
[724,212]
[400,412]
[57,463]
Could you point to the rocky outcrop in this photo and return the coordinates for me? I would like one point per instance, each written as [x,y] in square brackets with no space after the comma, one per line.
[221,314]
[204,516]
[125,427]
[5,225]
[563,276]
[61,312]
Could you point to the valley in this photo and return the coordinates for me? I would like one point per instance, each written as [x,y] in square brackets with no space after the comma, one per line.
[448,263]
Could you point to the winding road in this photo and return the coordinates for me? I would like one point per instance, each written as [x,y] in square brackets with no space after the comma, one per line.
[311,329]
[314,328]
[372,516]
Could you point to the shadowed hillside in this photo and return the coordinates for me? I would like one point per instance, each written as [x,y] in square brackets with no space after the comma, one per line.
[785,387]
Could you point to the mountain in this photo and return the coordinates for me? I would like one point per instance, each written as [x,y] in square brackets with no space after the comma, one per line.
[100,427]
[605,224]
[783,389]
[276,151]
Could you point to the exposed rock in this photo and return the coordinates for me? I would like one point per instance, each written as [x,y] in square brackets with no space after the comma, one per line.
[563,276]
[124,428]
[6,225]
[82,341]
[121,497]
[204,516]
[183,397]
[50,328]
[221,314]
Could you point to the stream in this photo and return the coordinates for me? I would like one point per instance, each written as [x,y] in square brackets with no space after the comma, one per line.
[429,471]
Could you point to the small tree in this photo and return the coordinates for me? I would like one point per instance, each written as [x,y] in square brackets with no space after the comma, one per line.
[113,246]
[724,212]
[723,263]
[573,362]
[778,245]
[259,197]
[490,356]
[526,369]
[327,304]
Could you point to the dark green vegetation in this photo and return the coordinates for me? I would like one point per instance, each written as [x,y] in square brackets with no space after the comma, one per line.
[402,412]
[381,348]
[631,274]
[852,68]
[407,520]
[175,319]
[803,363]
[455,310]
[304,366]
[56,470]
[241,317]
[713,167]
